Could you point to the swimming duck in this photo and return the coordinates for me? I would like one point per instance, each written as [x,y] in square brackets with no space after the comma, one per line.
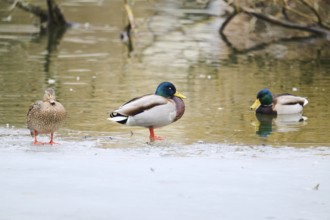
[285,103]
[45,116]
[152,111]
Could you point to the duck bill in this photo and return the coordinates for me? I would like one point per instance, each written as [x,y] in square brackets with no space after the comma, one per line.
[52,101]
[177,94]
[255,105]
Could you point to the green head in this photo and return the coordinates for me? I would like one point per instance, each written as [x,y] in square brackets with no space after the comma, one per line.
[167,90]
[265,97]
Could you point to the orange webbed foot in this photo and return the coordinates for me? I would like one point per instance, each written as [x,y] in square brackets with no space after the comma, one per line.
[153,137]
[156,138]
[52,139]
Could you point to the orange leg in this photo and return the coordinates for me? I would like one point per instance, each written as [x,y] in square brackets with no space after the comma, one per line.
[153,137]
[36,142]
[52,139]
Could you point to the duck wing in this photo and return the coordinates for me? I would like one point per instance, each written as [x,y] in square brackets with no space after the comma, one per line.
[34,107]
[141,104]
[288,99]
[136,106]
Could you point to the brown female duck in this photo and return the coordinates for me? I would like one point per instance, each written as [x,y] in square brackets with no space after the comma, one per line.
[45,116]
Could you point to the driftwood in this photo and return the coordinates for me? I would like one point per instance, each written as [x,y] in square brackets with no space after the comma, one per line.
[313,25]
[315,28]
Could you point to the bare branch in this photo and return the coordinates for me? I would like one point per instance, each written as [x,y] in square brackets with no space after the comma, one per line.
[271,19]
[53,16]
[319,19]
[285,14]
[228,19]
[222,29]
[35,10]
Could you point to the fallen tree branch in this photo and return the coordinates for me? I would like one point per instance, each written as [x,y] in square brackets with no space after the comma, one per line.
[315,29]
[223,27]
[226,22]
[319,19]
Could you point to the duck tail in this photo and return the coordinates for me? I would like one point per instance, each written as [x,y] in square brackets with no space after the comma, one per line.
[305,102]
[117,117]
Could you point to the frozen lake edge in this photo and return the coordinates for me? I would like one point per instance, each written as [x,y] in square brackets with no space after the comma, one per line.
[77,180]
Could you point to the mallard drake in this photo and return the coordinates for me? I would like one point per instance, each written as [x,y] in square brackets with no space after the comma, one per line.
[285,103]
[152,111]
[45,116]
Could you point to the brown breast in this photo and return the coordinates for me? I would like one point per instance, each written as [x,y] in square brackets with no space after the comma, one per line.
[180,107]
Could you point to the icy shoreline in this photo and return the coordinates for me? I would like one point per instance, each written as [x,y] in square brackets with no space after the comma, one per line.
[77,180]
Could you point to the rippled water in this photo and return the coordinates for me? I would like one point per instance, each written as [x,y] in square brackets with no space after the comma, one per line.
[92,72]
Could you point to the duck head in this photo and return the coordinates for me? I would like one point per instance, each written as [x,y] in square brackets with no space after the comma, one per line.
[49,96]
[264,97]
[168,90]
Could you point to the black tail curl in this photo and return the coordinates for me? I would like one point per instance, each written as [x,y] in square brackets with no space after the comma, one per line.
[115,115]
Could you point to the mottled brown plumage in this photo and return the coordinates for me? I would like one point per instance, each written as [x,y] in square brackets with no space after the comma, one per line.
[46,116]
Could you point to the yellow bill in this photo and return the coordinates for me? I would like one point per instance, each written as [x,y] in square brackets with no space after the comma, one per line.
[177,94]
[255,105]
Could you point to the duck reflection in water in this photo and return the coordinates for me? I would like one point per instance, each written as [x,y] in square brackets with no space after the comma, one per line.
[278,123]
[265,125]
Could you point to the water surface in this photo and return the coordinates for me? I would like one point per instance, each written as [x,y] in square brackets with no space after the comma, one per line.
[93,73]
